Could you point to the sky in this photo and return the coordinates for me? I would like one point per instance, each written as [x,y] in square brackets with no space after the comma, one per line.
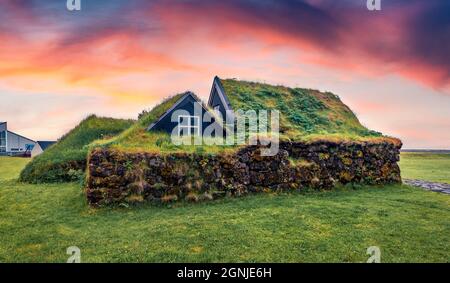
[117,57]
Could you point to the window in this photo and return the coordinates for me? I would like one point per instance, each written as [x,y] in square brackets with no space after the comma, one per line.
[188,125]
[3,141]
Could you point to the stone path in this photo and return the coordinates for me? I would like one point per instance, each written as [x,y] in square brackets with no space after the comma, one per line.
[430,186]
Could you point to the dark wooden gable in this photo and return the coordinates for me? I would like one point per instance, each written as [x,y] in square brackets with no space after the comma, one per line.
[186,102]
[218,99]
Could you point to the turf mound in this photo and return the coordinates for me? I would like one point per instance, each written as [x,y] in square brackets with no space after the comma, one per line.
[66,160]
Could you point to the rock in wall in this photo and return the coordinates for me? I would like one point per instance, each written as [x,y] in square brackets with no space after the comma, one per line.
[118,177]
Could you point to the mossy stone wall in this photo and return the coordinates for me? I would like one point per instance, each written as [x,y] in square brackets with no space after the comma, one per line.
[116,177]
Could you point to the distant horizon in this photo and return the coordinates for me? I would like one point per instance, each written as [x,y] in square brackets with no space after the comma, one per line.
[117,58]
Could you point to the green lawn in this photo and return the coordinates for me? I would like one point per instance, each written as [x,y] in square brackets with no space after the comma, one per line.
[425,166]
[39,222]
[10,167]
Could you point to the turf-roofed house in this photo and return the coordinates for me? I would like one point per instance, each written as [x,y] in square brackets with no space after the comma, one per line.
[321,145]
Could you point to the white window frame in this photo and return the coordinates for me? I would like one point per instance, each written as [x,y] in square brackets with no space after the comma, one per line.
[189,126]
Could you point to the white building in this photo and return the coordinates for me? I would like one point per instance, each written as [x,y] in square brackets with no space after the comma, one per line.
[12,143]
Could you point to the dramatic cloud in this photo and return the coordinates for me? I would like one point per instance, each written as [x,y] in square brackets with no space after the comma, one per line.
[127,55]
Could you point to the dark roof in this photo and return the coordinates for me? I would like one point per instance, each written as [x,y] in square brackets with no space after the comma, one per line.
[221,91]
[45,144]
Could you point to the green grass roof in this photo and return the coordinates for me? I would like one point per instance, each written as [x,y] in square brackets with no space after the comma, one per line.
[306,115]
[303,112]
[74,145]
[149,117]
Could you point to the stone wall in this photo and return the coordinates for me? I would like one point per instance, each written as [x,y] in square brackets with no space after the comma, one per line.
[116,177]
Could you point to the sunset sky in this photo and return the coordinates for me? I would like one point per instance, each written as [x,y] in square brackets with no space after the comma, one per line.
[118,57]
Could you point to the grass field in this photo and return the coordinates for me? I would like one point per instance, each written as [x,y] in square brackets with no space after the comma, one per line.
[39,222]
[10,167]
[425,166]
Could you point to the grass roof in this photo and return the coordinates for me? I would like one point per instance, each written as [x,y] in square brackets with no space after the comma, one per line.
[72,147]
[304,113]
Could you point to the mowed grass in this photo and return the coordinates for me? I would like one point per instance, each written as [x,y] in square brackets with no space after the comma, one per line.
[39,222]
[425,166]
[10,167]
